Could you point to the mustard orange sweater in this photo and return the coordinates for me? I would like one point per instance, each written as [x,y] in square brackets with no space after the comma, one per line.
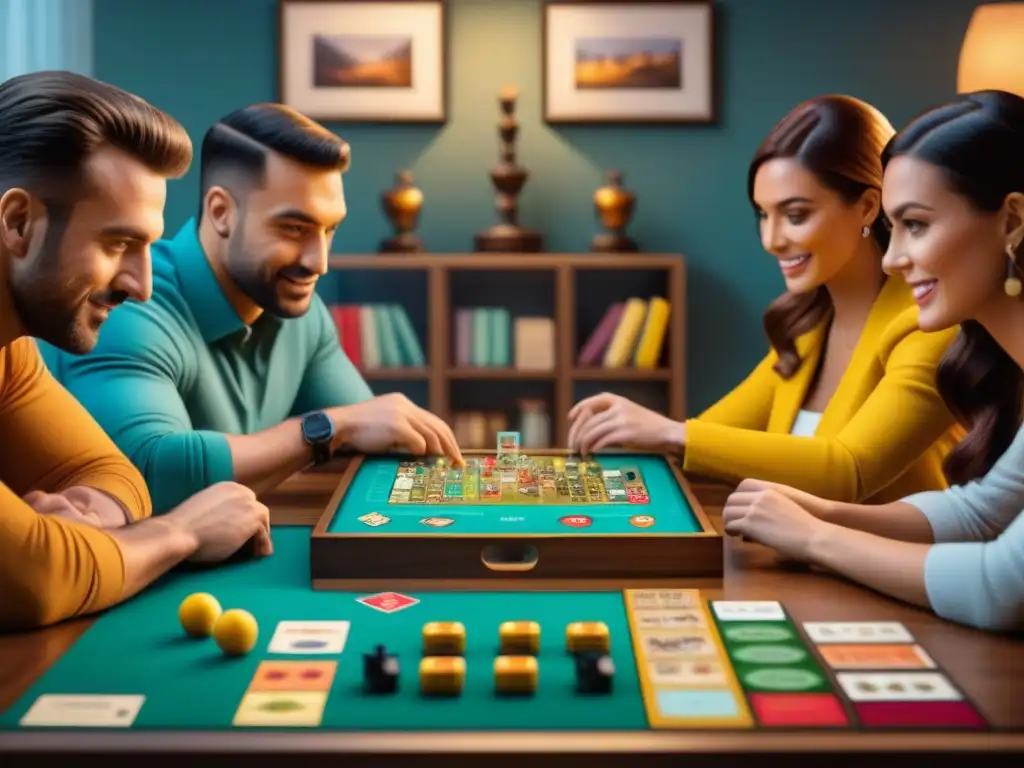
[883,435]
[50,568]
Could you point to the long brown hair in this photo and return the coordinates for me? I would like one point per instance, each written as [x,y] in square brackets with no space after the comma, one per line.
[840,140]
[977,141]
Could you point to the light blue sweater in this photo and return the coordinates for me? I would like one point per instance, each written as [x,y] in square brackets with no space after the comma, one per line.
[974,573]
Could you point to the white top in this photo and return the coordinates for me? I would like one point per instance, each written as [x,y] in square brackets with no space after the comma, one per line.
[806,424]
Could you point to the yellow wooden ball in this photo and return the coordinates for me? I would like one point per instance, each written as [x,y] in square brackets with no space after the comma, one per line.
[236,632]
[198,613]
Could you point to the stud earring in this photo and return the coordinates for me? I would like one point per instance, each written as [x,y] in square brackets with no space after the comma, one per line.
[1012,284]
[865,232]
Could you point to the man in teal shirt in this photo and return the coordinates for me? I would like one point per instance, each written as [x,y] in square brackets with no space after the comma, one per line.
[233,369]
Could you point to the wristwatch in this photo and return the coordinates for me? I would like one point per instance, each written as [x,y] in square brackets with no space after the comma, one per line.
[318,431]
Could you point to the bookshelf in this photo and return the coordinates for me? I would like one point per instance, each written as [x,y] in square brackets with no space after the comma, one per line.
[440,374]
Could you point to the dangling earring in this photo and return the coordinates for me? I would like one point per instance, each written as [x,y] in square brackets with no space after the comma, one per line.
[1012,283]
[866,232]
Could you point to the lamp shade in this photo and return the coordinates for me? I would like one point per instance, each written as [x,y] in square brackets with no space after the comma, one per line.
[992,54]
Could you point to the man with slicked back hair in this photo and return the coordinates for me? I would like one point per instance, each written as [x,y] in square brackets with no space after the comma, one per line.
[234,370]
[83,177]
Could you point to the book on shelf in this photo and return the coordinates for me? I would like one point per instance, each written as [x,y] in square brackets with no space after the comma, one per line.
[487,337]
[631,333]
[377,335]
[476,429]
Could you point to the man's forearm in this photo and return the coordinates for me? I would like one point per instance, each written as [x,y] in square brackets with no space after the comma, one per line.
[265,459]
[150,549]
[896,520]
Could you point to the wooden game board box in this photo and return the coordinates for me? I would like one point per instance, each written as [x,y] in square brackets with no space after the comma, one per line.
[380,560]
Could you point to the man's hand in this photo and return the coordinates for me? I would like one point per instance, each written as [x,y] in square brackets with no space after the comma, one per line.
[393,421]
[58,505]
[220,520]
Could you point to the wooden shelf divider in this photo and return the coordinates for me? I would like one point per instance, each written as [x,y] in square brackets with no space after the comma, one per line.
[439,372]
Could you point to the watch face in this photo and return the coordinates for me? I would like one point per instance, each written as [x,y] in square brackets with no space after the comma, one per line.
[318,426]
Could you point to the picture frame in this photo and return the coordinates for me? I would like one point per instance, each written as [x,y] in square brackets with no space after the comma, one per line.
[629,61]
[367,61]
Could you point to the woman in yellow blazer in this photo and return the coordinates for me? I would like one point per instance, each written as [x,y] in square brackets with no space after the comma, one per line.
[845,404]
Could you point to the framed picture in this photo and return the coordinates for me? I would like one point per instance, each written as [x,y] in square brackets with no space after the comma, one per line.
[364,60]
[645,61]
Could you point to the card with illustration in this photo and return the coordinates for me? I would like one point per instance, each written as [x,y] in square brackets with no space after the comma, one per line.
[309,637]
[898,686]
[683,618]
[748,610]
[687,672]
[857,632]
[876,656]
[667,644]
[83,711]
[271,708]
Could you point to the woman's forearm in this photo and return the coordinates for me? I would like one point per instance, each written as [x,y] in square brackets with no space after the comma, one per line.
[896,520]
[895,568]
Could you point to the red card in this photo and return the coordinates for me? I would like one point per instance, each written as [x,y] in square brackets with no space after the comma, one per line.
[388,602]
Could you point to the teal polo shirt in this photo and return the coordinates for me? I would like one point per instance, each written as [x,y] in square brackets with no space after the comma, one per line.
[171,376]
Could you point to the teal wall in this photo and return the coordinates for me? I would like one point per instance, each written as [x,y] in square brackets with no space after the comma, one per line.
[200,59]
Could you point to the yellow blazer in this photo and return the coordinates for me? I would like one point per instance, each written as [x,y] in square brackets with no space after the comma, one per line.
[883,435]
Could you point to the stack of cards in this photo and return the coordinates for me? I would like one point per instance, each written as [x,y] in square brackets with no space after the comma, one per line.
[294,693]
[783,681]
[684,674]
[890,679]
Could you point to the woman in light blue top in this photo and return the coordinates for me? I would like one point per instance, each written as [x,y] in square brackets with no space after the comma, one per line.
[954,194]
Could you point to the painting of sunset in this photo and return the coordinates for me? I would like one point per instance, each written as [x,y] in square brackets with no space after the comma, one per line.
[633,62]
[353,61]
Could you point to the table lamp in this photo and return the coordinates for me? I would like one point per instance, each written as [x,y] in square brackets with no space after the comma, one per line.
[992,54]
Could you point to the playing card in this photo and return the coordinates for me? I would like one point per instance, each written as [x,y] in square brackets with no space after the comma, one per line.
[374,519]
[663,644]
[898,686]
[83,710]
[857,632]
[309,637]
[876,656]
[263,708]
[388,602]
[644,599]
[684,672]
[748,610]
[294,676]
[669,619]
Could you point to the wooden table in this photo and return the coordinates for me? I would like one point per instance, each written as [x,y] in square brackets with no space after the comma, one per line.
[990,669]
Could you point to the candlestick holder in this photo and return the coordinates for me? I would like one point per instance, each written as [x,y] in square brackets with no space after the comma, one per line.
[614,205]
[402,205]
[508,178]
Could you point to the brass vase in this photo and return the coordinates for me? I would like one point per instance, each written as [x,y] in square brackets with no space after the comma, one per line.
[402,205]
[614,205]
[508,178]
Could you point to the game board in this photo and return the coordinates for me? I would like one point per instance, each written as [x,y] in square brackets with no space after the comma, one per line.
[677,662]
[513,517]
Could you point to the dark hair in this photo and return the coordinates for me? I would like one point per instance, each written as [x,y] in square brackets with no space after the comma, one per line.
[977,141]
[839,139]
[238,145]
[52,121]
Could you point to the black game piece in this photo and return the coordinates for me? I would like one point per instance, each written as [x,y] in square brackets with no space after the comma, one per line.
[594,673]
[380,671]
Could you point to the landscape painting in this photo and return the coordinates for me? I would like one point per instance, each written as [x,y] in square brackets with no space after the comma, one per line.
[367,61]
[624,62]
[629,62]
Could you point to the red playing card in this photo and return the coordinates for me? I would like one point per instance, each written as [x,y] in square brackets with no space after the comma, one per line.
[388,602]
